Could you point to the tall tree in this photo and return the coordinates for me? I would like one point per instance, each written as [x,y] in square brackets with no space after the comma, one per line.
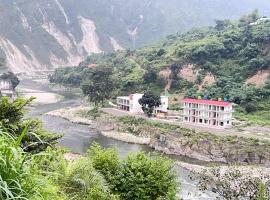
[99,85]
[149,102]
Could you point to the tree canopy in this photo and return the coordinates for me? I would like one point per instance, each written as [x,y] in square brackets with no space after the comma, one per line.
[149,102]
[99,85]
[138,177]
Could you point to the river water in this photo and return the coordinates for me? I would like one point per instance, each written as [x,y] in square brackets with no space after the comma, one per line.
[78,138]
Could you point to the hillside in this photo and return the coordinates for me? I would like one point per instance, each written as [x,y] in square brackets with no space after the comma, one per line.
[230,60]
[39,35]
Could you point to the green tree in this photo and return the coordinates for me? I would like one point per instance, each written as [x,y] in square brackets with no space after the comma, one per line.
[99,85]
[13,120]
[138,177]
[150,76]
[149,102]
[250,107]
[222,24]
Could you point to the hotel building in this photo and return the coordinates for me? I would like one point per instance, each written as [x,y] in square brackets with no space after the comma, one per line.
[207,112]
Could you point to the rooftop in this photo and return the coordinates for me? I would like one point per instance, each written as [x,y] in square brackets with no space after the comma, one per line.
[124,97]
[208,102]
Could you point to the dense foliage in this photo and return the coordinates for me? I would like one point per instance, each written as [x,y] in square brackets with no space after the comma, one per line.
[99,85]
[138,177]
[12,120]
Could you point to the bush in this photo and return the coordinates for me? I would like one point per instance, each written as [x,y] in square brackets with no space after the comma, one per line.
[95,113]
[250,107]
[138,177]
[82,182]
[12,118]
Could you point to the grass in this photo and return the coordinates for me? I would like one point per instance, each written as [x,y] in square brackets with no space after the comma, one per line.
[260,117]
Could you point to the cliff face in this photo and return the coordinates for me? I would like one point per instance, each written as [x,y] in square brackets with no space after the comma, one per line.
[208,150]
[42,34]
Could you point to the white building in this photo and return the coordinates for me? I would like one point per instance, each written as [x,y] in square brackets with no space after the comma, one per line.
[131,103]
[207,113]
[6,89]
[163,108]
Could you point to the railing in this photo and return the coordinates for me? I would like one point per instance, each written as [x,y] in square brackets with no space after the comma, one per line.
[208,110]
[205,117]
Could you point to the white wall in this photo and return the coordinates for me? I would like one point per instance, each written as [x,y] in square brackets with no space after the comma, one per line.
[5,85]
[164,104]
[135,107]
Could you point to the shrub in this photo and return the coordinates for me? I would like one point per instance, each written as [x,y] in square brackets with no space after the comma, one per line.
[250,107]
[95,113]
[82,182]
[138,177]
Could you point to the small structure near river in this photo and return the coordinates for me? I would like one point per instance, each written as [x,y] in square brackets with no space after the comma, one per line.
[6,88]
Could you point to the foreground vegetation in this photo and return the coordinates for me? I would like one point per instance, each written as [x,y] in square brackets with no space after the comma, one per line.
[32,166]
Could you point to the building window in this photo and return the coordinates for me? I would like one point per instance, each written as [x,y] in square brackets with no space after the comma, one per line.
[228,122]
[201,121]
[221,123]
[186,118]
[222,108]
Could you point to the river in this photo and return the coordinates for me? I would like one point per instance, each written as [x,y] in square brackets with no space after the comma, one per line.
[78,138]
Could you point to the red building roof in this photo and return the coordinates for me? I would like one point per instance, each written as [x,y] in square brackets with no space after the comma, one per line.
[208,102]
[92,65]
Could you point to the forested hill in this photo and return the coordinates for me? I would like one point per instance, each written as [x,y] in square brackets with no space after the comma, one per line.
[40,34]
[231,59]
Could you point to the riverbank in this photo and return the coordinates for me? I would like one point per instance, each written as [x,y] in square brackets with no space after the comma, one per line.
[251,170]
[41,97]
[104,126]
[172,139]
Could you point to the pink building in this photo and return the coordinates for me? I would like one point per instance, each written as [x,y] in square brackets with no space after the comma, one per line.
[207,112]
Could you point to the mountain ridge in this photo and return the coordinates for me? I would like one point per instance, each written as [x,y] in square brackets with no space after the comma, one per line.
[44,34]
